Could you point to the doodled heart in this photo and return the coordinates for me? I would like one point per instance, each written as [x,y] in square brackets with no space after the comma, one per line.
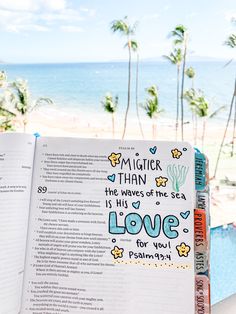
[112,177]
[153,150]
[136,205]
[185,215]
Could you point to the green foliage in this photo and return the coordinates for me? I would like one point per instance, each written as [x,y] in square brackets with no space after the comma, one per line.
[152,103]
[123,27]
[3,78]
[175,57]
[133,44]
[21,96]
[6,124]
[15,102]
[199,104]
[109,104]
[197,101]
[179,34]
[190,72]
[231,41]
[22,100]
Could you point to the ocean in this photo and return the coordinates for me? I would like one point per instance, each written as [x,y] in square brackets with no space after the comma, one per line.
[83,85]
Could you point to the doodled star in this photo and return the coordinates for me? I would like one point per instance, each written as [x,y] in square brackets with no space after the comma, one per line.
[161,181]
[114,159]
[183,249]
[176,153]
[117,252]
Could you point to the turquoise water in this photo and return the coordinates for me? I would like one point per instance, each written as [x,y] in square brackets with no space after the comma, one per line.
[83,85]
[223,263]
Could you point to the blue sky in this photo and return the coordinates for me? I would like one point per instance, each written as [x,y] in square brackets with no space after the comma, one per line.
[74,31]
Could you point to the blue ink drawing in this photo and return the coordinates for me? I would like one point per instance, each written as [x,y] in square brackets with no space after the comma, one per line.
[185,215]
[177,175]
[153,150]
[112,177]
[136,205]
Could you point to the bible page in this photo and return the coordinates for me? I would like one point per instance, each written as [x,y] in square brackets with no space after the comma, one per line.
[16,163]
[111,228]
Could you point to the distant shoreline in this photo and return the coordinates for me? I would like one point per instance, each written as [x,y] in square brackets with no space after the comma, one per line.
[158,60]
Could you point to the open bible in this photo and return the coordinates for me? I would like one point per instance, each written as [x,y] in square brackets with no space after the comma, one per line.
[102,226]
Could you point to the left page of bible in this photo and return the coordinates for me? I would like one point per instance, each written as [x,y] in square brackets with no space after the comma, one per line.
[16,167]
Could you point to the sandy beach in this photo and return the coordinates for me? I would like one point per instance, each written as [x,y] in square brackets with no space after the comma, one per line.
[51,121]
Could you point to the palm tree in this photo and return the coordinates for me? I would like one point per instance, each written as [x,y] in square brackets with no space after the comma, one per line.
[180,36]
[199,105]
[20,98]
[230,42]
[110,106]
[175,57]
[6,118]
[135,48]
[3,79]
[152,107]
[191,74]
[125,29]
[6,115]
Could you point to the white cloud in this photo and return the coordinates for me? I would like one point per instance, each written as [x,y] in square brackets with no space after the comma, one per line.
[41,15]
[71,29]
[53,5]
[32,5]
[69,15]
[26,27]
[16,5]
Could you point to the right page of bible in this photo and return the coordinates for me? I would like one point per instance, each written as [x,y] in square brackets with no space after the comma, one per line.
[111,228]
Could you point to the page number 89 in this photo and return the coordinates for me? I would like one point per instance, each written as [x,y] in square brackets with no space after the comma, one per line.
[42,189]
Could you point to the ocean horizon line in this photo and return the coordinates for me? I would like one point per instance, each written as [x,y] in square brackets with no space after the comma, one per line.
[194,59]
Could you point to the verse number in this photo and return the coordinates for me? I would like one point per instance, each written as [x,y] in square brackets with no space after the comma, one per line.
[42,189]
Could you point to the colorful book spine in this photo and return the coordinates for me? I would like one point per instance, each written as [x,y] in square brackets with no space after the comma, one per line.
[202,235]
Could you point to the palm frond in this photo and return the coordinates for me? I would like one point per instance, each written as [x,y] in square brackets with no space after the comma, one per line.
[123,27]
[40,102]
[152,104]
[6,113]
[109,104]
[215,113]
[190,72]
[231,41]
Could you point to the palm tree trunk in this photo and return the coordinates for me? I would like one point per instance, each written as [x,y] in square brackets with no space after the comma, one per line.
[194,119]
[234,125]
[24,125]
[196,129]
[203,133]
[128,98]
[136,91]
[225,131]
[113,125]
[177,104]
[182,90]
[193,123]
[154,129]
